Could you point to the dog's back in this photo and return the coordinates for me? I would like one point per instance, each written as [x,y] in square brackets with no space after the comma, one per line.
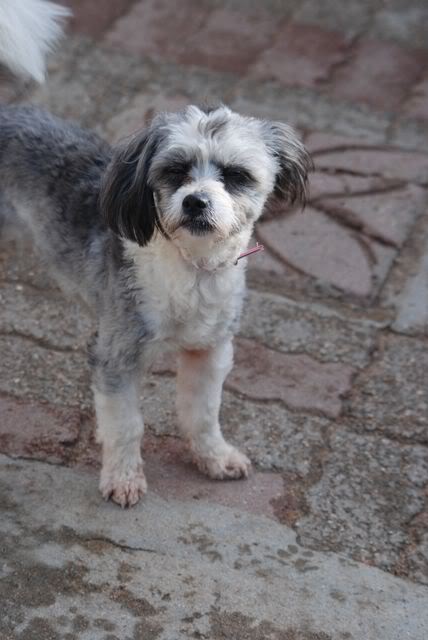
[50,175]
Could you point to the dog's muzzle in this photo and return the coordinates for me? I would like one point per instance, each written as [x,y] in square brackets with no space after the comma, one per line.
[195,208]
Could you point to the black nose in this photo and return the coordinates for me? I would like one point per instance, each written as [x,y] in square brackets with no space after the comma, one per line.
[195,204]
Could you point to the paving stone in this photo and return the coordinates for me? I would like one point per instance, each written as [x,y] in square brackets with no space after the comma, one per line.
[298,380]
[307,108]
[405,24]
[370,78]
[90,88]
[321,141]
[175,569]
[393,163]
[34,430]
[391,397]
[388,216]
[12,88]
[308,328]
[412,300]
[92,19]
[230,40]
[32,372]
[141,111]
[417,105]
[350,18]
[411,134]
[332,184]
[46,317]
[414,558]
[156,28]
[317,246]
[172,475]
[301,56]
[369,490]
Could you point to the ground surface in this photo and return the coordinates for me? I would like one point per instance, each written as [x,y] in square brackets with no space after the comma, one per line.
[328,539]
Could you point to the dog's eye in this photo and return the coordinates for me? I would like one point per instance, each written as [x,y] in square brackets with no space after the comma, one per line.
[236,178]
[176,174]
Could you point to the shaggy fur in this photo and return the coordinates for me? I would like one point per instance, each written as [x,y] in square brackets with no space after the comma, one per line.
[148,234]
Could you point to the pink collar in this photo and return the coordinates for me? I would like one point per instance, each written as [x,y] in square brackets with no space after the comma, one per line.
[249,252]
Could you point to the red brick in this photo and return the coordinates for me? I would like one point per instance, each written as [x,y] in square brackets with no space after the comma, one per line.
[379,74]
[417,105]
[298,380]
[159,28]
[314,244]
[93,18]
[301,56]
[389,163]
[35,430]
[386,216]
[229,41]
[171,474]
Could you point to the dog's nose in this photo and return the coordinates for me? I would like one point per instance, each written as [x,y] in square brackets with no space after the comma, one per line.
[195,204]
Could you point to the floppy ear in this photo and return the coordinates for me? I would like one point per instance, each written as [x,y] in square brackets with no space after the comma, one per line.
[126,199]
[293,162]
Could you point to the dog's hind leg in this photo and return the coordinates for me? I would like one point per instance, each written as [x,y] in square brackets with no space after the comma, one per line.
[200,378]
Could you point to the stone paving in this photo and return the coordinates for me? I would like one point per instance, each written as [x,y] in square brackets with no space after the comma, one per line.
[328,395]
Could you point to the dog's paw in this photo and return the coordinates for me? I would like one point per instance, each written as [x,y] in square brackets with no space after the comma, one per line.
[125,487]
[225,464]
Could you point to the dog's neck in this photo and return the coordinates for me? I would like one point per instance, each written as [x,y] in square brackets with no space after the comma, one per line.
[212,255]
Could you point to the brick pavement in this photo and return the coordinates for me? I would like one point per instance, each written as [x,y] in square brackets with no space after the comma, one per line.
[329,393]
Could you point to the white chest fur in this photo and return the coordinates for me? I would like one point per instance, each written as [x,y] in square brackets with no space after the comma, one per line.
[182,305]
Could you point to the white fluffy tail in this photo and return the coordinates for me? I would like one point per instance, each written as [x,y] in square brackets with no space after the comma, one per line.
[29,29]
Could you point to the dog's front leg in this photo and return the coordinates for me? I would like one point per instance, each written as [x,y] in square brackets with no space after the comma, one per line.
[119,430]
[200,378]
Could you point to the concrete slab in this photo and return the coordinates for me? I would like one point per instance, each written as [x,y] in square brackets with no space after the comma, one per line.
[74,567]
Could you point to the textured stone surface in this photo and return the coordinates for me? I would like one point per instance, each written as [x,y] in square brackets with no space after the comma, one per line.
[315,244]
[369,491]
[391,396]
[391,163]
[417,105]
[388,216]
[175,569]
[230,40]
[34,430]
[412,301]
[156,28]
[92,19]
[369,77]
[315,329]
[301,56]
[298,380]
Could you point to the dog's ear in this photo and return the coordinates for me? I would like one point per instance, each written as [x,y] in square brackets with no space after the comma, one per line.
[293,161]
[126,199]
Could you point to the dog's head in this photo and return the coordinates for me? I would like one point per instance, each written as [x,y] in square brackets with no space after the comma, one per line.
[201,177]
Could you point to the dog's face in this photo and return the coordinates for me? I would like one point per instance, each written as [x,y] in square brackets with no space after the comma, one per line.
[201,177]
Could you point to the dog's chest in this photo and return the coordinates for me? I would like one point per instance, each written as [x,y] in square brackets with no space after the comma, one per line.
[185,307]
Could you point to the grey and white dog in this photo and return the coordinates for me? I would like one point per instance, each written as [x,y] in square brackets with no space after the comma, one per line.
[148,234]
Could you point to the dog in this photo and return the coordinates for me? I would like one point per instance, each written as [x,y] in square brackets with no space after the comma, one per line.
[149,234]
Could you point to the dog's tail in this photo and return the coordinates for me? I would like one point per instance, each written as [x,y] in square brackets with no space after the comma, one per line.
[29,29]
